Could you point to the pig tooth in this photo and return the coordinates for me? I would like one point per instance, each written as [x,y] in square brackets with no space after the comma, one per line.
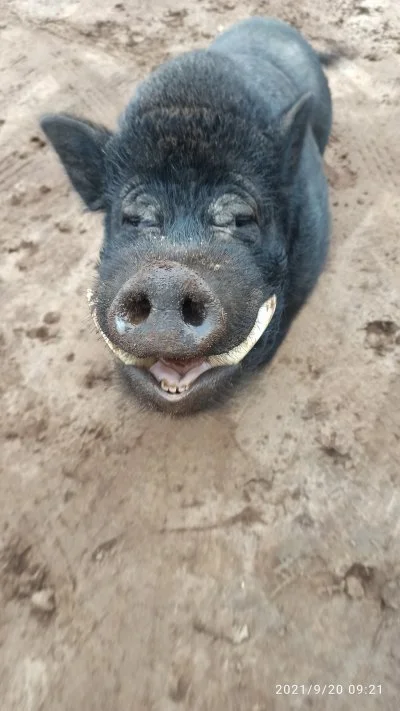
[183,388]
[126,358]
[170,388]
[236,354]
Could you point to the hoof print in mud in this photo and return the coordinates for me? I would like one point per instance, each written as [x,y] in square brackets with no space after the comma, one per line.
[382,336]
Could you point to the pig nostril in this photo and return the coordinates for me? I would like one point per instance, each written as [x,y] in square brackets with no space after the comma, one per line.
[193,312]
[137,308]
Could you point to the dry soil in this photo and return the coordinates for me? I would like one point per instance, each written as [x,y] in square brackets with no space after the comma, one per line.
[149,564]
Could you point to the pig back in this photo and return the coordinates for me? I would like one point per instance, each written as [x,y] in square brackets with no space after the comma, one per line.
[280,64]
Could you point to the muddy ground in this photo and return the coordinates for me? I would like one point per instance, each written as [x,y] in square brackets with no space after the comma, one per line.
[149,564]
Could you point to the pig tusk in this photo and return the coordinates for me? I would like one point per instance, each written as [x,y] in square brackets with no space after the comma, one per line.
[234,356]
[126,358]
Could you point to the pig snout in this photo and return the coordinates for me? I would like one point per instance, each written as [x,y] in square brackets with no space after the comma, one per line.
[166,310]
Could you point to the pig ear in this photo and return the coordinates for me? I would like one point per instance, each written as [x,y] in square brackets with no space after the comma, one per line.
[80,145]
[293,123]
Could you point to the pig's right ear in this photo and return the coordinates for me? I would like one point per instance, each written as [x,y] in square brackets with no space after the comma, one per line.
[80,146]
[293,124]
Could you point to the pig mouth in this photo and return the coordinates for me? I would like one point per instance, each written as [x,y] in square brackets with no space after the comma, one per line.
[175,377]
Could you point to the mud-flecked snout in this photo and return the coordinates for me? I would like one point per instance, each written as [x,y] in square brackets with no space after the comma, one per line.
[166,309]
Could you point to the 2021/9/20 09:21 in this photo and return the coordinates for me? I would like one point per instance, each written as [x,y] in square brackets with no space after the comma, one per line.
[328,689]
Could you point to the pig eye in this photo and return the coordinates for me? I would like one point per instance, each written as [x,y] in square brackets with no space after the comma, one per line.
[232,211]
[133,220]
[139,213]
[245,220]
[138,221]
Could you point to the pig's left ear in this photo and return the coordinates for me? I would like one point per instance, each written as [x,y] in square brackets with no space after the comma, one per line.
[293,123]
[80,145]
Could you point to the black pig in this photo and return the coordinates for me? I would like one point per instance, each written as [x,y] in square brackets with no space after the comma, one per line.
[216,211]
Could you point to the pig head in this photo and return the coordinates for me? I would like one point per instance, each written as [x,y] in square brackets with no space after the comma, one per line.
[216,219]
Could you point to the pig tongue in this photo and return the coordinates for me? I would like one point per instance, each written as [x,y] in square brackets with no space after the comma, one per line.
[179,373]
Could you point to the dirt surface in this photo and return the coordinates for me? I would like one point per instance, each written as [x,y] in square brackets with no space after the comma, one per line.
[149,564]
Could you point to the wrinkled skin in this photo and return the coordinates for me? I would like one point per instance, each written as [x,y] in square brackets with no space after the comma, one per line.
[215,200]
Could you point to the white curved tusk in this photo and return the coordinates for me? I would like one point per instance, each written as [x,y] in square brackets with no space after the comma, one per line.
[126,358]
[236,354]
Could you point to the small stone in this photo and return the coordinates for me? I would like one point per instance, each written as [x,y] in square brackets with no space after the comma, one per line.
[354,588]
[240,634]
[38,141]
[135,38]
[44,600]
[63,226]
[18,195]
[51,317]
[391,594]
[179,688]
